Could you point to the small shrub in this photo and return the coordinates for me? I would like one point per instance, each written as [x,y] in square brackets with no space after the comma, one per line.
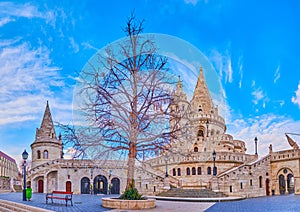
[131,193]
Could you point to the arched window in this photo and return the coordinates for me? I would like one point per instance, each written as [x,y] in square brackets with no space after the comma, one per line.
[260,181]
[188,171]
[38,154]
[212,132]
[200,133]
[174,172]
[178,172]
[209,170]
[195,149]
[193,171]
[199,171]
[45,154]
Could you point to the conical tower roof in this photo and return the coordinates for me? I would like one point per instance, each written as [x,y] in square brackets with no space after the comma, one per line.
[47,130]
[201,100]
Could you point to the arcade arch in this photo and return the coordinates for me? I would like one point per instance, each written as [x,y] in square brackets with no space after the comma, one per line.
[286,182]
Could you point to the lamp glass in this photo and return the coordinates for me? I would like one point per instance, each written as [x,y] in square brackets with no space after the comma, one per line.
[25,155]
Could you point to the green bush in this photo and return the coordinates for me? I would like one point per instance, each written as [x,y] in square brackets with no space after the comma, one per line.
[131,193]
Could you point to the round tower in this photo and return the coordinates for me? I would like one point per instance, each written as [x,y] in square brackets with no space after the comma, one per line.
[46,146]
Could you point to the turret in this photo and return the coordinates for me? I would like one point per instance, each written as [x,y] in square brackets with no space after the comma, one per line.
[46,146]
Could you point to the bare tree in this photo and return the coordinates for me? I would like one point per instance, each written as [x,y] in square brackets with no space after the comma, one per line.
[127,97]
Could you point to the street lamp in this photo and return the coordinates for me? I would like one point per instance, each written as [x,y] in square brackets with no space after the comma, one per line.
[255,139]
[214,154]
[166,160]
[24,156]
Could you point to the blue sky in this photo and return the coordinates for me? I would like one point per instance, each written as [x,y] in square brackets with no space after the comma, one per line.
[253,46]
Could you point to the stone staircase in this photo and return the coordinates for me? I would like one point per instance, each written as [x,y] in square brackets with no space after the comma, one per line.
[191,193]
[8,206]
[18,188]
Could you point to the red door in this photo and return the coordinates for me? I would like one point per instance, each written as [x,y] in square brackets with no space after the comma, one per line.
[267,187]
[40,186]
[68,186]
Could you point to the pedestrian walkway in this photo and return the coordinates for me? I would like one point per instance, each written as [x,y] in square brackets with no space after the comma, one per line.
[92,203]
[282,203]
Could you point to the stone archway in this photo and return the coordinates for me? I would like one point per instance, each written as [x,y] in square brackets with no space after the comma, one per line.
[290,184]
[68,186]
[100,185]
[40,186]
[85,185]
[115,186]
[281,184]
[286,182]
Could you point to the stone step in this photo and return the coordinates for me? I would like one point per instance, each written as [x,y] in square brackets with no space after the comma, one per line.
[196,193]
[4,209]
[13,206]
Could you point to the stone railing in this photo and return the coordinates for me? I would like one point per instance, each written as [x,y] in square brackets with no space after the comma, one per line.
[285,155]
[5,184]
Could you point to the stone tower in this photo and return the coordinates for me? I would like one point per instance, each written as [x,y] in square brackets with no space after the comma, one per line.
[46,146]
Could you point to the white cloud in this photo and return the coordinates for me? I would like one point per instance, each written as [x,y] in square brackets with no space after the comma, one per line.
[74,45]
[258,95]
[5,20]
[277,74]
[240,66]
[26,75]
[222,63]
[9,11]
[19,10]
[268,128]
[296,99]
[193,2]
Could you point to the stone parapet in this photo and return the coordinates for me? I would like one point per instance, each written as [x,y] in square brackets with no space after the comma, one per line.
[128,204]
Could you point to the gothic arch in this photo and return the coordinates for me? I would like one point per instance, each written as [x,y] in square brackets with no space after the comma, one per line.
[45,154]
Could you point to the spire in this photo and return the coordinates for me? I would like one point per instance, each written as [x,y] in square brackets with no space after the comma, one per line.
[180,95]
[201,100]
[47,127]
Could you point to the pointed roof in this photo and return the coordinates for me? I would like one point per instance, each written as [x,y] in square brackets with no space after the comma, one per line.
[47,129]
[201,95]
[179,94]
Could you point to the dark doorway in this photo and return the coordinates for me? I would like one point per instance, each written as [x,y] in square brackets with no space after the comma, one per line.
[85,185]
[68,186]
[40,186]
[290,183]
[281,184]
[267,187]
[115,186]
[100,185]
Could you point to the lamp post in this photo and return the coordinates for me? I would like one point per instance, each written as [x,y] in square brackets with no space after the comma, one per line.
[24,156]
[255,139]
[166,160]
[214,154]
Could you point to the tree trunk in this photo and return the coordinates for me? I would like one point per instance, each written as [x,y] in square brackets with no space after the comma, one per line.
[131,165]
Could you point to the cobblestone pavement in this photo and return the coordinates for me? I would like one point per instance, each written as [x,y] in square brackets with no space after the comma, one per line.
[92,203]
[285,203]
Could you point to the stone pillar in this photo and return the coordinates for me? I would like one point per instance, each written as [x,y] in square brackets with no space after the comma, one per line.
[286,185]
[297,185]
[46,184]
[166,183]
[215,184]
